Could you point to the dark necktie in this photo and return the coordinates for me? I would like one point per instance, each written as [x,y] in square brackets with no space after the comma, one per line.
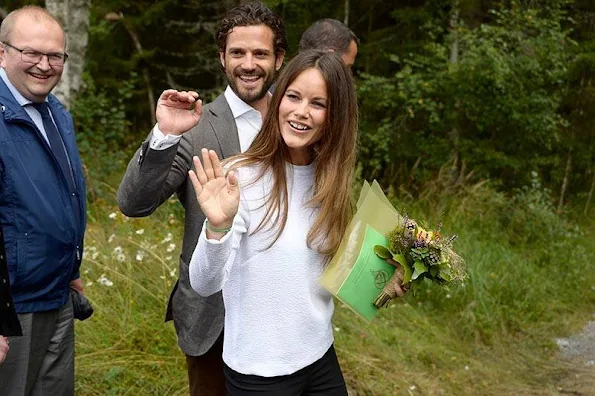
[55,139]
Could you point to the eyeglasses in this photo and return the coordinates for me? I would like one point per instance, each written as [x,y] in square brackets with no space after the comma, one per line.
[34,57]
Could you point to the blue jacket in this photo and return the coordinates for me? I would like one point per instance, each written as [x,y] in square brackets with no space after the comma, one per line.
[42,217]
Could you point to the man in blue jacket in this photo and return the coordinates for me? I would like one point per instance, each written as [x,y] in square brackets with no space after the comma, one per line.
[42,204]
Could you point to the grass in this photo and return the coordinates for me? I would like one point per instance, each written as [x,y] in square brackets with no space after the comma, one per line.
[529,282]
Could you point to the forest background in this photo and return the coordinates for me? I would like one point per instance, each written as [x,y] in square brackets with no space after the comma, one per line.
[476,113]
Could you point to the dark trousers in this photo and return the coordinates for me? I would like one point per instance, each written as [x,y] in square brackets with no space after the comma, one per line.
[321,378]
[205,372]
[41,362]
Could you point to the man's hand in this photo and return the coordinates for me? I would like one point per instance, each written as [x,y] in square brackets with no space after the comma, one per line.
[3,348]
[77,284]
[178,111]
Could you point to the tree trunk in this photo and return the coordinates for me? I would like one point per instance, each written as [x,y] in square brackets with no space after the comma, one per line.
[590,196]
[74,15]
[146,76]
[119,17]
[454,58]
[565,182]
[346,18]
[370,25]
[454,22]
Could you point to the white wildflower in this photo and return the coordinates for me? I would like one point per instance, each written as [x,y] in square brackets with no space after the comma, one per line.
[140,255]
[94,255]
[89,250]
[118,250]
[172,273]
[89,284]
[466,368]
[121,257]
[171,247]
[337,329]
[412,387]
[86,271]
[140,232]
[111,238]
[162,277]
[168,238]
[168,258]
[104,281]
[448,295]
[112,215]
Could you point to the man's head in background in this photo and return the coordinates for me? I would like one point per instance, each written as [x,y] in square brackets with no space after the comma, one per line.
[331,35]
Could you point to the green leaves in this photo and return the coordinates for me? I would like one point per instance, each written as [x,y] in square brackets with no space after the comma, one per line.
[498,109]
[419,268]
[382,252]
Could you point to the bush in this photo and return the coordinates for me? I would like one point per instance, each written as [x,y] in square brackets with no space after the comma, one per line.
[102,131]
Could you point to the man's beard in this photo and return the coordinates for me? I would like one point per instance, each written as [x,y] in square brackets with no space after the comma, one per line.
[250,96]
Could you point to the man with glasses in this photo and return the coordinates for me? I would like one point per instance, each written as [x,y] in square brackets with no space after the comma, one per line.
[42,204]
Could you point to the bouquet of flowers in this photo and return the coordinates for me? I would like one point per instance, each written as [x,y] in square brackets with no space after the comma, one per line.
[377,241]
[422,254]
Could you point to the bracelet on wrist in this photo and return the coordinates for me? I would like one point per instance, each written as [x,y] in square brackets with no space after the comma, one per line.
[217,230]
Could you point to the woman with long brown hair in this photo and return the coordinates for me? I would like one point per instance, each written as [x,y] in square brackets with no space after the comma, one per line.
[275,216]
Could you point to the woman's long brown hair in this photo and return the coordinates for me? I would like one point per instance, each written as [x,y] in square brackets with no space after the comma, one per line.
[334,153]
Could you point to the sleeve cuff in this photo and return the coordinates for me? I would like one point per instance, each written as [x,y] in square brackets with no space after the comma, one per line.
[159,141]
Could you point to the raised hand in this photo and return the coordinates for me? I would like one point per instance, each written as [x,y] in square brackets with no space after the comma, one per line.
[178,111]
[218,195]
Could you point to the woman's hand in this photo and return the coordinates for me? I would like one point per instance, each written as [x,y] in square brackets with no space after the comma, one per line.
[218,195]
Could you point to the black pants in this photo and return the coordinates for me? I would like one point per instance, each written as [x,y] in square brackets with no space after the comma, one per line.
[323,378]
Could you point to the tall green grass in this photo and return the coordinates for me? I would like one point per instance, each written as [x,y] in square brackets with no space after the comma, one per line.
[531,279]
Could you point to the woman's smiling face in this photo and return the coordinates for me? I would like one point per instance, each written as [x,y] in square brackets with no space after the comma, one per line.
[302,113]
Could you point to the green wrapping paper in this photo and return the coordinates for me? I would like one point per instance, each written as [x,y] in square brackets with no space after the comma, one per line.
[356,275]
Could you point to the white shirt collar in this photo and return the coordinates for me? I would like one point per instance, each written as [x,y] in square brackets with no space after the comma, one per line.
[237,105]
[23,101]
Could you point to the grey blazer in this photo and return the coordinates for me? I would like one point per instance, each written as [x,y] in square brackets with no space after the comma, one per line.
[151,178]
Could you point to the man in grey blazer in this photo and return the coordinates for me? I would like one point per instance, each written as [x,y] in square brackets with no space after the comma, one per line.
[252,45]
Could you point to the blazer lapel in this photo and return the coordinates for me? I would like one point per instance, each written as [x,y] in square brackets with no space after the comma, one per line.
[224,126]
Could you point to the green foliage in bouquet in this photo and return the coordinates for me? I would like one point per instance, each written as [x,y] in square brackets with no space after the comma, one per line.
[422,254]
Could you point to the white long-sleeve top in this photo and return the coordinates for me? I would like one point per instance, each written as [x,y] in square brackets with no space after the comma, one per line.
[277,316]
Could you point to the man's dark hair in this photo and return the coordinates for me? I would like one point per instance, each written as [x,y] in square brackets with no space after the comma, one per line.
[328,34]
[252,14]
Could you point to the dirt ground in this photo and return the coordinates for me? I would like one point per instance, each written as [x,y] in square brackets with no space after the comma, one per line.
[579,352]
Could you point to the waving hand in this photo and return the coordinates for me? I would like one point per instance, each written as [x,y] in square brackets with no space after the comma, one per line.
[218,195]
[178,111]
